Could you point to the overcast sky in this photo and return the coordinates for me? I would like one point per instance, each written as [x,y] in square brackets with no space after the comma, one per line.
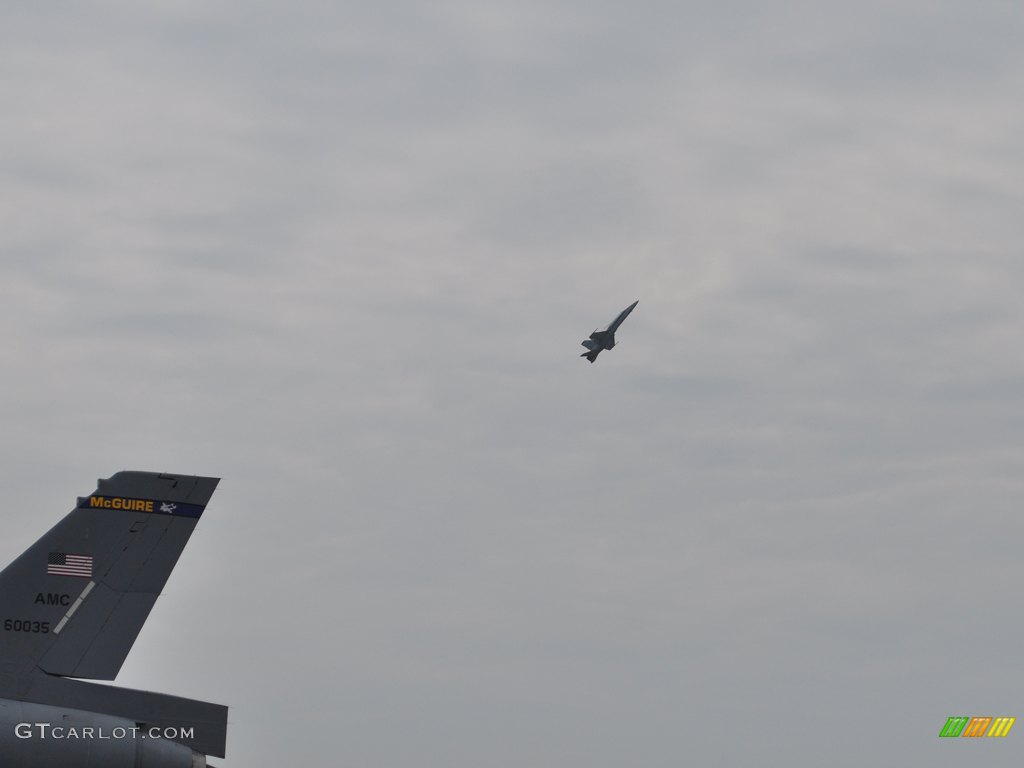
[342,255]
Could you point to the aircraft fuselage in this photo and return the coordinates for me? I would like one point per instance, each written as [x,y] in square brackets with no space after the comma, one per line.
[603,339]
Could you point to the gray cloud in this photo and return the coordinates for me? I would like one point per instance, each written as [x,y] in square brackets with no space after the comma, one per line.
[342,256]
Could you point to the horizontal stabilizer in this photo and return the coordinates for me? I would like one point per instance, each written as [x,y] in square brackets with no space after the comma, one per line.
[207,723]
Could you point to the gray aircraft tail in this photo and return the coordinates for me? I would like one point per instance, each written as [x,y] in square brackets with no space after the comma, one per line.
[73,604]
[593,347]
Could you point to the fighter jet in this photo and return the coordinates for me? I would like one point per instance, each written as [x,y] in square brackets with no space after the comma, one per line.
[72,606]
[605,339]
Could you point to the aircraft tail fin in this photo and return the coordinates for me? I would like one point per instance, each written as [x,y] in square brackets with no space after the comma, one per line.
[74,603]
[592,355]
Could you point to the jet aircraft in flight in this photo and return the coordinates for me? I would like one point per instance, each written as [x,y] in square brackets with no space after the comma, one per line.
[71,608]
[605,339]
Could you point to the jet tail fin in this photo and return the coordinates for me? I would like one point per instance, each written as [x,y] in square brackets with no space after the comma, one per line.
[75,601]
[592,355]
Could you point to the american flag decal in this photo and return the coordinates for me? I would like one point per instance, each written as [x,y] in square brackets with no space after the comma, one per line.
[62,564]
